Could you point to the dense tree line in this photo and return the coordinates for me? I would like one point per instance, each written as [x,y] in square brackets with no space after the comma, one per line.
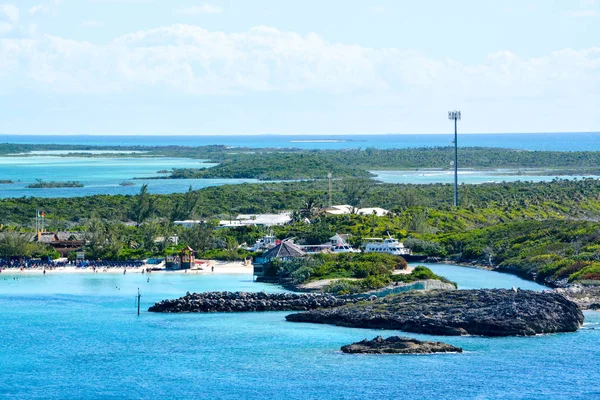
[275,166]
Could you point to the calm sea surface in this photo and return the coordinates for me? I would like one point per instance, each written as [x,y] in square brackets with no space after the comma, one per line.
[105,175]
[78,337]
[538,141]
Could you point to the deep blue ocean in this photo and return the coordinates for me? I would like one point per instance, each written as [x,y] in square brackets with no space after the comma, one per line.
[106,175]
[78,337]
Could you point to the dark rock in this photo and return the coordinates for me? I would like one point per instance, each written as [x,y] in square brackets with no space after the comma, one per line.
[460,312]
[594,306]
[399,345]
[248,302]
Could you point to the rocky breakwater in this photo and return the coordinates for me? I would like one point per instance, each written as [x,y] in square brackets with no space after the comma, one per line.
[399,345]
[248,302]
[495,312]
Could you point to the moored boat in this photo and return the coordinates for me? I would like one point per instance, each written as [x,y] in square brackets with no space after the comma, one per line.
[389,246]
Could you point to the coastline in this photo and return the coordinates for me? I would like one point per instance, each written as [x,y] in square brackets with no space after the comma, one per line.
[220,268]
[587,297]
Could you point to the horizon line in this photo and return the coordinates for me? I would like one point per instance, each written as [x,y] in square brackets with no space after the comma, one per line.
[293,134]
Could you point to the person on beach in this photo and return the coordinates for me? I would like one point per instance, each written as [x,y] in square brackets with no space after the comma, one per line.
[124,271]
[212,268]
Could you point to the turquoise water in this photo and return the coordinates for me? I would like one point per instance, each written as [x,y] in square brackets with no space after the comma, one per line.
[78,336]
[468,177]
[527,141]
[99,175]
[104,175]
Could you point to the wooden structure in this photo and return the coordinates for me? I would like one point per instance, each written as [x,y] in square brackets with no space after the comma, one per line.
[184,260]
[63,242]
[187,258]
[284,251]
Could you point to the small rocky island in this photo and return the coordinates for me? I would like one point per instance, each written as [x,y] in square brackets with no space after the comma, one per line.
[248,302]
[496,312]
[39,184]
[399,345]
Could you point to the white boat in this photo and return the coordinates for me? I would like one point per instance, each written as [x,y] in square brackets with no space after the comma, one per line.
[344,248]
[389,246]
[336,244]
[339,244]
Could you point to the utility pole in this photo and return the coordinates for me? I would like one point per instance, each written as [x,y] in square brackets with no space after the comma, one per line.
[455,116]
[330,175]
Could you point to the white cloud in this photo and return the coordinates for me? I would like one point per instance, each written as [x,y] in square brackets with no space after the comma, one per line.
[46,8]
[10,12]
[9,17]
[201,9]
[193,60]
[92,24]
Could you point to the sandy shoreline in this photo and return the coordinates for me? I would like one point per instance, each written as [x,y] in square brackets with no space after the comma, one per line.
[220,267]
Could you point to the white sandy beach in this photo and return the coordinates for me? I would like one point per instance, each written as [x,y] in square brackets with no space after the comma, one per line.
[220,267]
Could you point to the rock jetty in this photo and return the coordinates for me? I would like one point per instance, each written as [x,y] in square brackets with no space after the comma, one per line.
[488,312]
[248,302]
[399,345]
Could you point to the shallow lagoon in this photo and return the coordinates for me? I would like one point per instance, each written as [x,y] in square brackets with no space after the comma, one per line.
[78,336]
[467,176]
[104,175]
[99,175]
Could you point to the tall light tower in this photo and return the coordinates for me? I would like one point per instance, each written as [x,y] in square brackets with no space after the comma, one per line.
[455,116]
[330,175]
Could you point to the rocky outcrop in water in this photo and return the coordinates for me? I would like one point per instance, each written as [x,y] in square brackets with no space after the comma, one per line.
[399,345]
[248,302]
[459,312]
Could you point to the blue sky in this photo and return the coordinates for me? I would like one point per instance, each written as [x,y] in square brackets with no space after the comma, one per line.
[298,67]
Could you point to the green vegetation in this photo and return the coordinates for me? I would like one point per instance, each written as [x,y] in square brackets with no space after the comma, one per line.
[345,265]
[551,250]
[293,163]
[346,286]
[274,166]
[54,184]
[354,272]
[421,208]
[17,244]
[547,231]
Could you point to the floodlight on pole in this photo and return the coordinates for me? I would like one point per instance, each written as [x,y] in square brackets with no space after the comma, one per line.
[329,176]
[455,116]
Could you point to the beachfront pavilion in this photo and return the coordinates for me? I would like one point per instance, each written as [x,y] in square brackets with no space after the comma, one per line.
[63,242]
[284,251]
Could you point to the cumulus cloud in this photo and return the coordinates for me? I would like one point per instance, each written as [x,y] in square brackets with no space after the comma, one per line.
[50,8]
[201,9]
[9,17]
[190,59]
